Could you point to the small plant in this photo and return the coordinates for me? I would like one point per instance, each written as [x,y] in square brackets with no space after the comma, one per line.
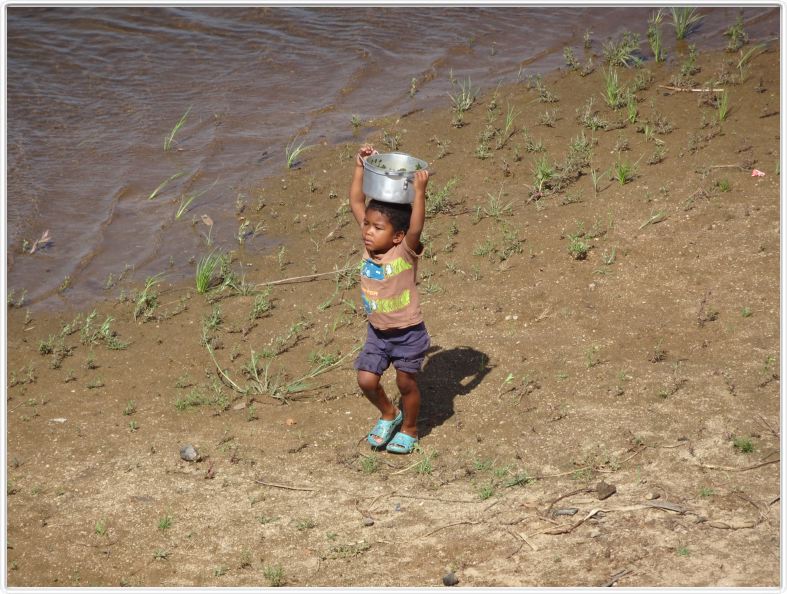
[274,574]
[592,357]
[165,522]
[101,527]
[747,57]
[147,300]
[370,464]
[587,38]
[281,257]
[486,491]
[133,426]
[305,524]
[570,58]
[292,152]
[631,108]
[424,465]
[743,444]
[464,98]
[163,184]
[738,37]
[508,128]
[623,172]
[496,208]
[682,551]
[746,312]
[723,185]
[654,35]
[355,121]
[577,247]
[130,409]
[543,172]
[707,492]
[393,140]
[588,117]
[262,304]
[548,118]
[160,554]
[623,51]
[613,93]
[204,272]
[596,176]
[684,19]
[413,87]
[723,106]
[171,136]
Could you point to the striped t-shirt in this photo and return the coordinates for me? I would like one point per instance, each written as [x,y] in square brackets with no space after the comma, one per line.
[388,290]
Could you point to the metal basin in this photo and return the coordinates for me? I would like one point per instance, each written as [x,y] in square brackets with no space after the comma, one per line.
[388,177]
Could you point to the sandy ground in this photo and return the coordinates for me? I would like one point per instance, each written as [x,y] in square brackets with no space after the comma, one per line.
[647,369]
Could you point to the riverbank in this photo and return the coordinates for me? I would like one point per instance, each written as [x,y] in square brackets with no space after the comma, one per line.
[602,290]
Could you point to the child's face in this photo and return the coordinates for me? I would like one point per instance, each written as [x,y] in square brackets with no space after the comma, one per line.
[378,232]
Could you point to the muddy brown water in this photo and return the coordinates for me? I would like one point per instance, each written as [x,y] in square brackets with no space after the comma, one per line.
[92,93]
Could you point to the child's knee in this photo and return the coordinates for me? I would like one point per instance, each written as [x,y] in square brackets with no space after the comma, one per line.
[368,381]
[405,381]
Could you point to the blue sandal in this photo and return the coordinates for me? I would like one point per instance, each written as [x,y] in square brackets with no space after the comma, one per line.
[384,430]
[402,443]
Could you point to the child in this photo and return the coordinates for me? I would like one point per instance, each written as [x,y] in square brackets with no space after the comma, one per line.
[396,333]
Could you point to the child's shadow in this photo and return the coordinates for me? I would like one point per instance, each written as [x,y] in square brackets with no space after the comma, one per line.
[447,374]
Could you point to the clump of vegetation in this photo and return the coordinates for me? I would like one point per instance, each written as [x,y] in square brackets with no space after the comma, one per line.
[684,19]
[743,444]
[292,152]
[738,37]
[654,35]
[623,51]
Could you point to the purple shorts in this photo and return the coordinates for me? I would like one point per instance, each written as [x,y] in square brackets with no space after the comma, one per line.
[405,348]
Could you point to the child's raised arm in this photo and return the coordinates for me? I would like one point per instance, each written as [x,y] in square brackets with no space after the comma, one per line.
[357,198]
[413,237]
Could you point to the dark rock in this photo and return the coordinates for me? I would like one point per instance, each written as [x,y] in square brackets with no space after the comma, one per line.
[450,579]
[603,490]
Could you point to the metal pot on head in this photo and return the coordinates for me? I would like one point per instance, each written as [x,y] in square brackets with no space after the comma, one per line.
[388,177]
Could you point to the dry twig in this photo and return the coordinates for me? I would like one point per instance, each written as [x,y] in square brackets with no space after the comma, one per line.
[733,469]
[289,487]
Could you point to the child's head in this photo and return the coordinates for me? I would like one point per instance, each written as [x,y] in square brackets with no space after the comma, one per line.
[385,224]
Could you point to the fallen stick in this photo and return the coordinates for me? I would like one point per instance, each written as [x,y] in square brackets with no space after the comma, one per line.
[438,498]
[576,492]
[293,279]
[523,539]
[615,578]
[449,526]
[762,420]
[692,90]
[278,486]
[569,528]
[732,469]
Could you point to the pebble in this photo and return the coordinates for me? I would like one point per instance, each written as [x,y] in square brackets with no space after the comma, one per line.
[651,495]
[189,453]
[604,490]
[368,522]
[450,579]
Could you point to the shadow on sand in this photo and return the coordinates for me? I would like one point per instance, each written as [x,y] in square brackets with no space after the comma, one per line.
[448,373]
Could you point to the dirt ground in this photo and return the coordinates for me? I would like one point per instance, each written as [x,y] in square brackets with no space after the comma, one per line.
[650,365]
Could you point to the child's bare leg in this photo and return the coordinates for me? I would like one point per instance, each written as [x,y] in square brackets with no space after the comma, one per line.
[370,385]
[411,401]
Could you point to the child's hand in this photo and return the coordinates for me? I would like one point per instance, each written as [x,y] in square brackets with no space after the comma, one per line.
[365,151]
[421,179]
